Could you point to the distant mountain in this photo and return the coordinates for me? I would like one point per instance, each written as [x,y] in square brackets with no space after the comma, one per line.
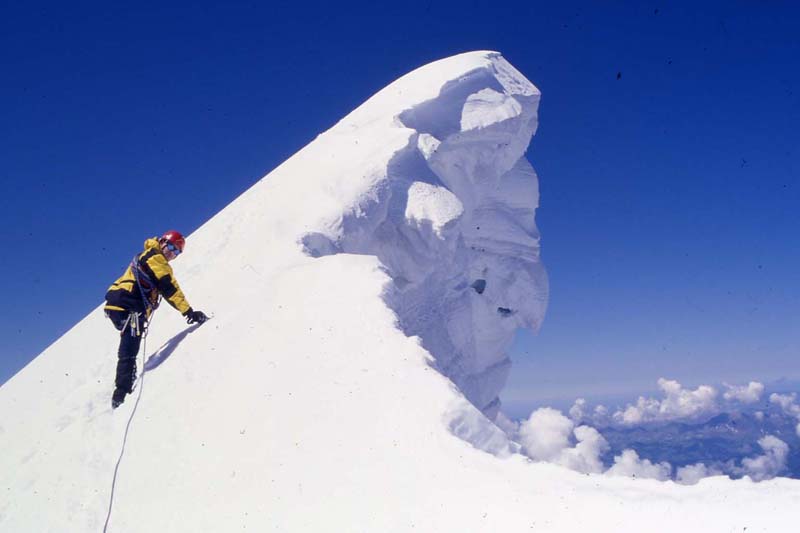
[729,436]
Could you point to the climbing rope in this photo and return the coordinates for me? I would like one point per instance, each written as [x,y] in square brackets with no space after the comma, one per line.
[143,351]
[125,438]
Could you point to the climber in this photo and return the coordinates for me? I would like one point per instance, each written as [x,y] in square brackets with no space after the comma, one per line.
[131,300]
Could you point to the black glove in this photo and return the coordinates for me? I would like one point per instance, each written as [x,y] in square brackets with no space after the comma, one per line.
[193,316]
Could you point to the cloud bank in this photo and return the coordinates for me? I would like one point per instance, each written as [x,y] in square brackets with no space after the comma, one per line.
[677,403]
[630,464]
[749,393]
[548,435]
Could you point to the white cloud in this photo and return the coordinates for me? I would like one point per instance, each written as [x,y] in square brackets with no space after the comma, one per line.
[771,463]
[585,456]
[645,410]
[677,403]
[600,416]
[691,474]
[576,412]
[749,393]
[580,412]
[546,436]
[629,464]
[787,403]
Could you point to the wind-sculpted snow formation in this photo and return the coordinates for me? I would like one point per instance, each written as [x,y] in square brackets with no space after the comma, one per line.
[450,214]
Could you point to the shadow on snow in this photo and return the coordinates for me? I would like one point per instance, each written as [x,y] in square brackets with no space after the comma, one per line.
[163,353]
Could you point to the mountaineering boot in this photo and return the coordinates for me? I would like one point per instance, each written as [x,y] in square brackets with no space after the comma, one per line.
[117,398]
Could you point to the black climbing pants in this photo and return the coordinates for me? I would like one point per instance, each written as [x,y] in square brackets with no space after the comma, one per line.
[130,339]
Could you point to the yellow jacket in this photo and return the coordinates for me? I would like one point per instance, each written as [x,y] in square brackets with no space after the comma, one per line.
[148,276]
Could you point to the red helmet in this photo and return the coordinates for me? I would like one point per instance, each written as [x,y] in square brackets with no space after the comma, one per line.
[175,238]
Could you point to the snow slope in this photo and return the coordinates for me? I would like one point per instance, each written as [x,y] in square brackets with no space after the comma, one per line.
[364,293]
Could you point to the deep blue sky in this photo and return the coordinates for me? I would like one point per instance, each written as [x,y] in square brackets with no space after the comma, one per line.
[667,152]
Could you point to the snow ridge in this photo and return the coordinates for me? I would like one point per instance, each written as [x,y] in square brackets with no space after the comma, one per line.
[452,221]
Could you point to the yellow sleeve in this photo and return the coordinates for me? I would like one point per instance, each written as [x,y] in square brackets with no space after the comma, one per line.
[166,283]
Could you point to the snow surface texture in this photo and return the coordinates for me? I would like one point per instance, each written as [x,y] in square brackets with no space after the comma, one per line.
[305,404]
